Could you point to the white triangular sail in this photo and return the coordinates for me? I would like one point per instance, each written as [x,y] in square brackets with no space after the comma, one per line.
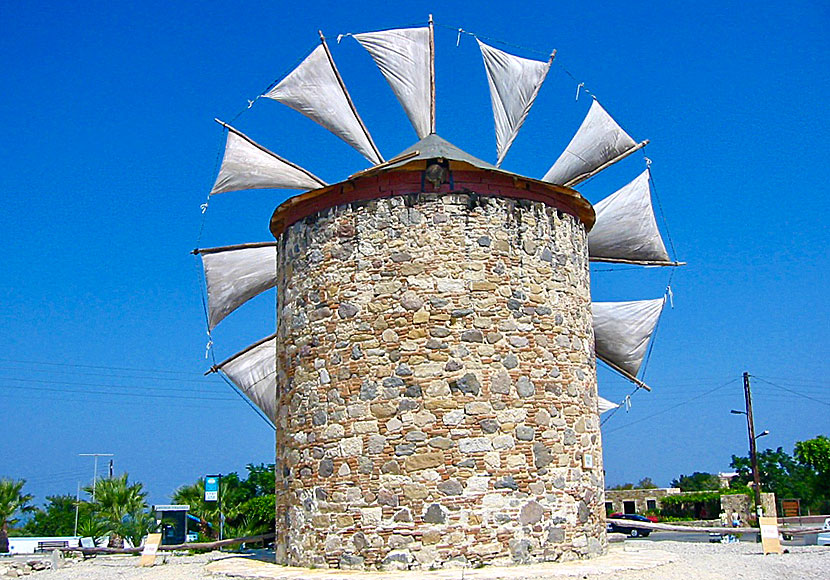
[598,142]
[403,56]
[249,165]
[625,227]
[235,274]
[313,89]
[622,331]
[254,371]
[604,405]
[514,84]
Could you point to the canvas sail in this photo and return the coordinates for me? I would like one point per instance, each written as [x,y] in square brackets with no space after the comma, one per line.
[514,83]
[235,274]
[254,371]
[313,89]
[604,405]
[598,142]
[625,227]
[622,331]
[403,56]
[248,165]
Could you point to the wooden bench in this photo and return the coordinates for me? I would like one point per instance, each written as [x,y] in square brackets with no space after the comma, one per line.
[49,545]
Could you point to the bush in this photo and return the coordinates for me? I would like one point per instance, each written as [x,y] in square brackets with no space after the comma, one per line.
[698,505]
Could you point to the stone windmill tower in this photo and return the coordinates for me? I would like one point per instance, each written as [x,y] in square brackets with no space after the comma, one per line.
[432,378]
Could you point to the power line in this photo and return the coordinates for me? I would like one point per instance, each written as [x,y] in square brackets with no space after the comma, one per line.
[802,395]
[200,379]
[798,380]
[106,385]
[75,365]
[646,418]
[124,404]
[84,392]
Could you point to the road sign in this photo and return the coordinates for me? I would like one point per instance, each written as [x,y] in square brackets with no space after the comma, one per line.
[212,487]
[151,546]
[791,507]
[769,535]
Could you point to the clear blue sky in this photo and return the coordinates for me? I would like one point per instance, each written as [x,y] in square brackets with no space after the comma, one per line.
[110,148]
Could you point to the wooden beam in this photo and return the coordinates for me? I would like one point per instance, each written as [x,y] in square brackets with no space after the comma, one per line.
[185,546]
[271,153]
[218,366]
[636,262]
[348,96]
[626,374]
[431,75]
[590,174]
[218,249]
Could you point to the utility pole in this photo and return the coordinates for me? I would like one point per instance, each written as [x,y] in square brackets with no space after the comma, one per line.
[753,451]
[77,506]
[95,468]
[753,454]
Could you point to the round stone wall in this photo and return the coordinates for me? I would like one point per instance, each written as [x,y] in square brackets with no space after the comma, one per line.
[436,386]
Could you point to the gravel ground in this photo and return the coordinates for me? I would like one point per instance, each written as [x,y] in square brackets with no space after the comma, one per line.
[693,561]
[744,560]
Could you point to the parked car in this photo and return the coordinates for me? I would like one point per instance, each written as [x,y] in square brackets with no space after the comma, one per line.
[824,537]
[633,532]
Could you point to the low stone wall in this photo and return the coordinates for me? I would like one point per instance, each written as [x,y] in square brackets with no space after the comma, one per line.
[743,505]
[436,386]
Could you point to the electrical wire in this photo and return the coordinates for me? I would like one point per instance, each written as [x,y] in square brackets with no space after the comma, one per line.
[77,384]
[143,395]
[667,409]
[802,395]
[82,366]
[200,380]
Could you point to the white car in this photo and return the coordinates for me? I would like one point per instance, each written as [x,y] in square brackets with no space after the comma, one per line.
[824,537]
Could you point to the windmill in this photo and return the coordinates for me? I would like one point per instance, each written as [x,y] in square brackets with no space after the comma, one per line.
[620,229]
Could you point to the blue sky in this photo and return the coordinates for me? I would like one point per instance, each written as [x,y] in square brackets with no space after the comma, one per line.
[110,148]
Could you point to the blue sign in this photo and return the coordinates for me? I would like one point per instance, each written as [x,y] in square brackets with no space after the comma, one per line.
[212,488]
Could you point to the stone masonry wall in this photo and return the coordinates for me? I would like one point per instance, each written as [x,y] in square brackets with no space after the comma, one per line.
[436,386]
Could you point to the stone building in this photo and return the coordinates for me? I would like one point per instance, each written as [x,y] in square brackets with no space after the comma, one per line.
[636,501]
[436,380]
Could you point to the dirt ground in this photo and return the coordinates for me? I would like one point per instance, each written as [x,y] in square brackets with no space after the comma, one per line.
[634,560]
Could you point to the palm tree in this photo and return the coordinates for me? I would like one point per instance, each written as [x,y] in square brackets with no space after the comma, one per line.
[12,501]
[90,526]
[207,512]
[117,503]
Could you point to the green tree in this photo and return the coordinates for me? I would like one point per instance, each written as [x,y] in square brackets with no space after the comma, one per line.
[698,481]
[12,502]
[646,483]
[815,453]
[260,512]
[261,479]
[207,512]
[56,518]
[119,505]
[242,513]
[91,526]
[779,473]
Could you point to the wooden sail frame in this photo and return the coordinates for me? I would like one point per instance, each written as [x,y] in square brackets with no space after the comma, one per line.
[585,176]
[239,133]
[348,96]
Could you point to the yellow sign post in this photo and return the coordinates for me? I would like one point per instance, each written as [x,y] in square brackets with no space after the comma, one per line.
[151,547]
[769,535]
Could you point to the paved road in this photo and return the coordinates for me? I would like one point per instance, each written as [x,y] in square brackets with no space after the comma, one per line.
[676,537]
[696,537]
